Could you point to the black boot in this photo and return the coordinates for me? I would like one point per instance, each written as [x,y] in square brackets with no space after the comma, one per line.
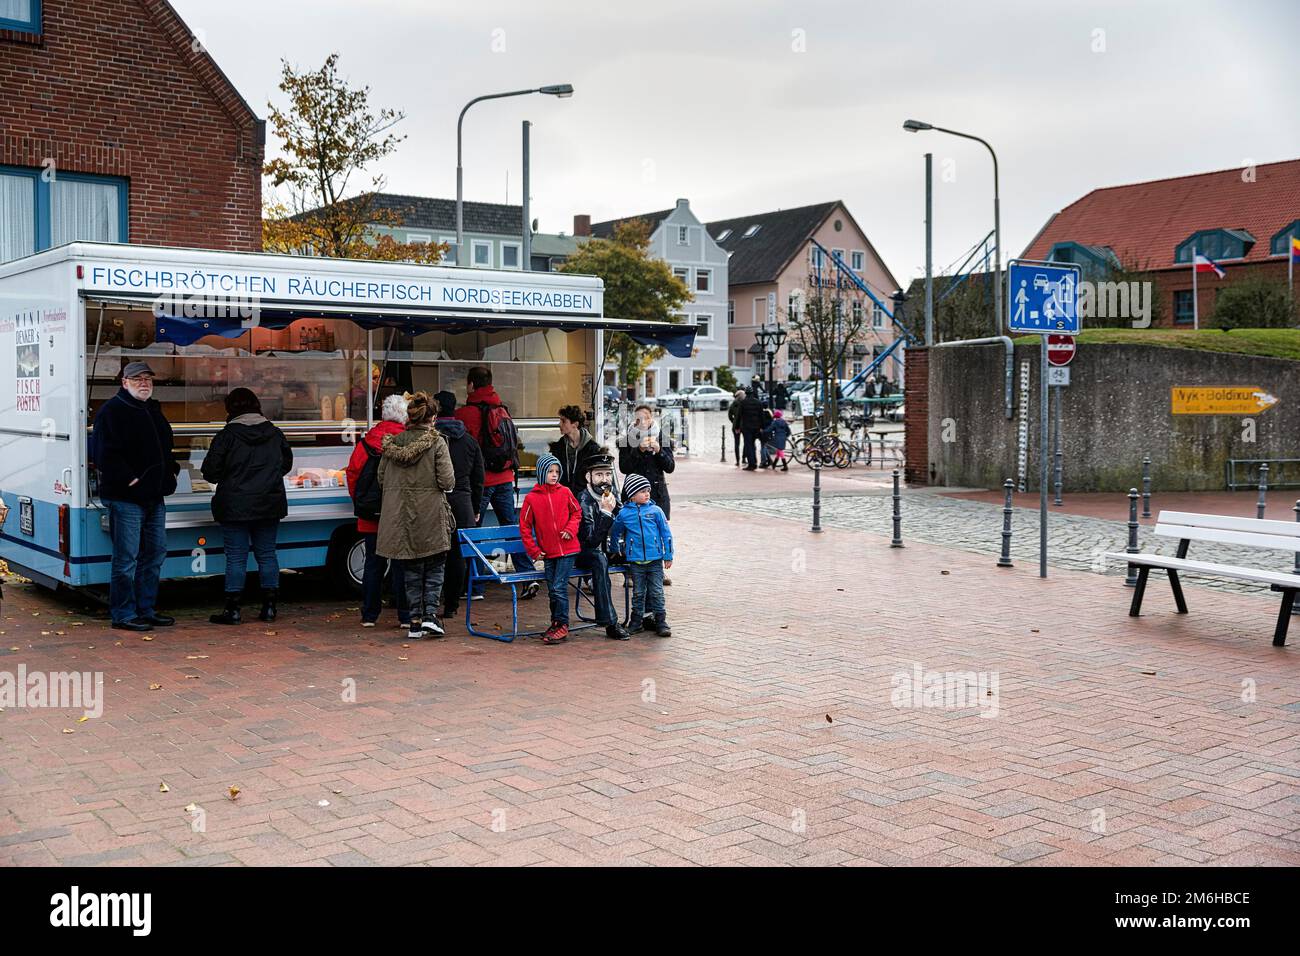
[231,614]
[268,604]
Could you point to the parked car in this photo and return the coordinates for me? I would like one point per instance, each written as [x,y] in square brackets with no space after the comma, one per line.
[613,396]
[694,396]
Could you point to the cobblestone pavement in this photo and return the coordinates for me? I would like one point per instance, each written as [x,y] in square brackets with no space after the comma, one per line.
[1074,541]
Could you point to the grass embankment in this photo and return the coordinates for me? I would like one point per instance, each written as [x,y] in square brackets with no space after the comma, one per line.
[1274,343]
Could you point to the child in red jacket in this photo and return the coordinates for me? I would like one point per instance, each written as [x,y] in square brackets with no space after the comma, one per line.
[548,525]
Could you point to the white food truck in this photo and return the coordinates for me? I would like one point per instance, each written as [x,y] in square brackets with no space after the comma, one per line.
[321,341]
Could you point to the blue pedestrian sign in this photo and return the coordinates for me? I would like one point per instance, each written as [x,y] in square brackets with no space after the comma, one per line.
[1044,297]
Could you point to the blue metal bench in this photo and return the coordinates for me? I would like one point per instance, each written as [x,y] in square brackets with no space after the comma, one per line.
[480,545]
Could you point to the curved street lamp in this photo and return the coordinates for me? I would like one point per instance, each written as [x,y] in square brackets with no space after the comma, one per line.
[916,126]
[562,90]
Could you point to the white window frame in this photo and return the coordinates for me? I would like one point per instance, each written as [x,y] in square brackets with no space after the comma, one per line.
[668,379]
[708,316]
[816,258]
[838,253]
[752,231]
[857,310]
[683,273]
[760,309]
[858,260]
[877,316]
[683,235]
[731,312]
[708,274]
[519,254]
[450,255]
[723,236]
[419,237]
[474,246]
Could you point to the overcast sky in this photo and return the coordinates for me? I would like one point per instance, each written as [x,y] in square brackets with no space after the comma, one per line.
[751,105]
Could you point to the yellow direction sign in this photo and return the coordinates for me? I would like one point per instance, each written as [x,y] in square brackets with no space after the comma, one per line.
[1227,400]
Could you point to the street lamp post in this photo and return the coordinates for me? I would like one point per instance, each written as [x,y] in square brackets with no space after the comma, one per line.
[916,126]
[770,340]
[561,90]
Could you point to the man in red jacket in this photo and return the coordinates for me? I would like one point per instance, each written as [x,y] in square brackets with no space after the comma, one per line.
[498,486]
[372,578]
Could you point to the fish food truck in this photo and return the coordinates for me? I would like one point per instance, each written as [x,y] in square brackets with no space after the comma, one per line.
[322,342]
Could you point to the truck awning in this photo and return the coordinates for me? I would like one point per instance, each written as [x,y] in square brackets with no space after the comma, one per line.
[677,339]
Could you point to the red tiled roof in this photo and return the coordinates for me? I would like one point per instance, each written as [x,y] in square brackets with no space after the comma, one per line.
[1144,222]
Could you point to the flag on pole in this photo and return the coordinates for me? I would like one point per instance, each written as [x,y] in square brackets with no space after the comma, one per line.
[1204,263]
[1295,249]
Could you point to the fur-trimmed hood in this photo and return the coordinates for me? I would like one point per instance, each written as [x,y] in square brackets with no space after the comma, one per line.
[407,447]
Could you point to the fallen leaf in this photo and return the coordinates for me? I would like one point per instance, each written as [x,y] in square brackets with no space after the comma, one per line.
[828,719]
[78,624]
[117,643]
[234,792]
[196,657]
[1033,630]
[13,648]
[190,808]
[944,572]
[163,788]
[146,638]
[403,658]
[269,633]
[1149,673]
[60,633]
[336,791]
[82,719]
[322,803]
[36,613]
[68,730]
[155,686]
[90,647]
[191,676]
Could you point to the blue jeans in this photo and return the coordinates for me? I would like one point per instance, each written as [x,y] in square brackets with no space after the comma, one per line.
[597,562]
[372,584]
[238,537]
[502,499]
[139,534]
[647,591]
[557,584]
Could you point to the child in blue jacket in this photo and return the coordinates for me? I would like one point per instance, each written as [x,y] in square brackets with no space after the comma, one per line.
[640,533]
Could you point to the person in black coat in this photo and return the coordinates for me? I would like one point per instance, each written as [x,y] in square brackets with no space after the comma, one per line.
[247,461]
[754,417]
[467,462]
[575,448]
[647,452]
[135,469]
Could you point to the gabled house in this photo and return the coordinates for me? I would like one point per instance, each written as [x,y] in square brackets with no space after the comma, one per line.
[117,126]
[682,241]
[773,258]
[1243,219]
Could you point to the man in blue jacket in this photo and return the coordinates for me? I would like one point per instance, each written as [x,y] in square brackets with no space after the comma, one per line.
[132,446]
[640,533]
[599,508]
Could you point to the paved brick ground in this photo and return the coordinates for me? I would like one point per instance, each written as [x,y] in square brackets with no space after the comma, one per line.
[762,732]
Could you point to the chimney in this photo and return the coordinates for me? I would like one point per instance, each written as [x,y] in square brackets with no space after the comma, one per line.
[582,225]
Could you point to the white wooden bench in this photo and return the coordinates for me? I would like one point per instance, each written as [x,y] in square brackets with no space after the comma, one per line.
[1242,532]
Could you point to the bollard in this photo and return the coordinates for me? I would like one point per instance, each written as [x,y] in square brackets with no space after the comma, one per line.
[1263,489]
[897,541]
[1004,560]
[1146,487]
[817,498]
[686,430]
[1132,579]
[724,444]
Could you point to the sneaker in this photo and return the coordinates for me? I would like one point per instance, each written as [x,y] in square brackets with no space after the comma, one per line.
[667,581]
[550,631]
[616,632]
[561,634]
[663,630]
[530,590]
[636,629]
[476,597]
[415,631]
[434,627]
[367,623]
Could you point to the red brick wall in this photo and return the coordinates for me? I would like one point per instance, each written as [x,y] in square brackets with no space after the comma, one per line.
[1169,281]
[916,401]
[116,87]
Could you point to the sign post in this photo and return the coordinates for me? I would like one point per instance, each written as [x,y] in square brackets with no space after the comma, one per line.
[1060,353]
[1043,299]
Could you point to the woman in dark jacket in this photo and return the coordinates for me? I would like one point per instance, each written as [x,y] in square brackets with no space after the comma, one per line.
[247,462]
[575,448]
[467,462]
[646,451]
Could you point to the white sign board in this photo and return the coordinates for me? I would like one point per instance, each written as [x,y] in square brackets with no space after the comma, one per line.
[807,406]
[1058,375]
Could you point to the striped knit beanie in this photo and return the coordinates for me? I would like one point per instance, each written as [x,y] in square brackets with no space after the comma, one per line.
[634,483]
[544,462]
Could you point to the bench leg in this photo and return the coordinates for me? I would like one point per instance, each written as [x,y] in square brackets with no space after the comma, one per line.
[1284,618]
[1136,607]
[1177,588]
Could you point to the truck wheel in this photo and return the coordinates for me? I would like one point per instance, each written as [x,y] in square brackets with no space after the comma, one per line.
[346,561]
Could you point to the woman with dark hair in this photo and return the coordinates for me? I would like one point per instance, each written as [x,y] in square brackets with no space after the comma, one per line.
[575,448]
[247,462]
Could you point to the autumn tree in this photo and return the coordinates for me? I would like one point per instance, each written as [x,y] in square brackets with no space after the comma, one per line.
[826,325]
[330,135]
[636,287]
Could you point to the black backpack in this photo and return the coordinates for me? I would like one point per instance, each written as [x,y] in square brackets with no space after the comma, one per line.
[367,496]
[497,437]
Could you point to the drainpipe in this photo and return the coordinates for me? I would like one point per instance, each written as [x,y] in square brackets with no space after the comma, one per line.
[1011,362]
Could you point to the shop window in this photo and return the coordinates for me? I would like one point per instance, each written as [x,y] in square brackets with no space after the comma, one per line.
[37,212]
[23,16]
[1183,310]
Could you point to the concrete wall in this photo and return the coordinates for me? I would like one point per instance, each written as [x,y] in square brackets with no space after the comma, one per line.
[1117,409]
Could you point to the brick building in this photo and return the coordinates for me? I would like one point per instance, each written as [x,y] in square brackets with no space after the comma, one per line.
[1242,219]
[117,126]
